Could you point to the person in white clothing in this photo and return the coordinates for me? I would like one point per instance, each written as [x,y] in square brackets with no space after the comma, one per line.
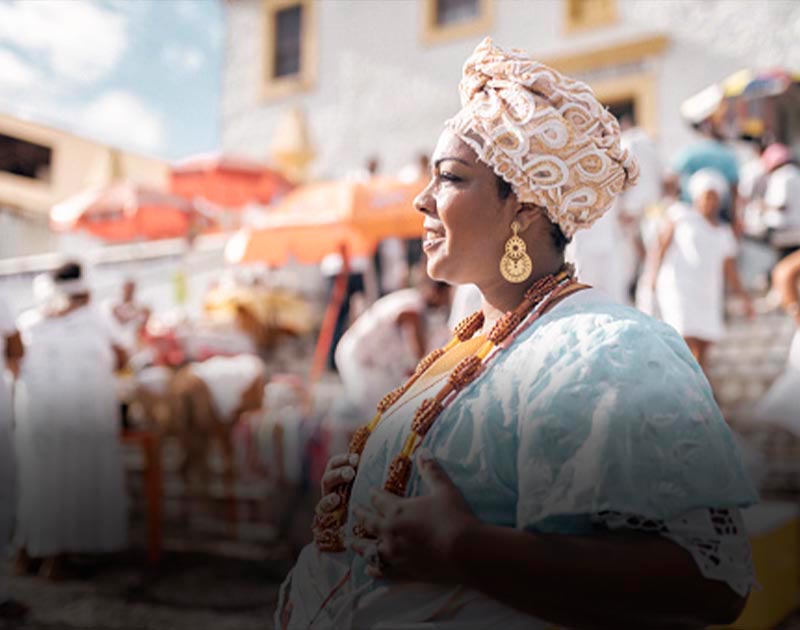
[10,353]
[695,254]
[600,257]
[779,404]
[782,195]
[635,202]
[72,496]
[386,342]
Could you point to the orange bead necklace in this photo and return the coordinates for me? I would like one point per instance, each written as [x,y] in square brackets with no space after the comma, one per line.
[327,527]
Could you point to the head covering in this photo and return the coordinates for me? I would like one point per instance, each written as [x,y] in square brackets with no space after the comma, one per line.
[775,155]
[545,134]
[708,179]
[702,105]
[69,280]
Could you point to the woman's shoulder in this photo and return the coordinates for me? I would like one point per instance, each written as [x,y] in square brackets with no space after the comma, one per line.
[594,338]
[593,320]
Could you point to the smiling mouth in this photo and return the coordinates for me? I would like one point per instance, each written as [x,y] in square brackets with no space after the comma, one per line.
[432,239]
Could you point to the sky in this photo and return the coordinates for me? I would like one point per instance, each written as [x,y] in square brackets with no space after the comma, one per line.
[142,75]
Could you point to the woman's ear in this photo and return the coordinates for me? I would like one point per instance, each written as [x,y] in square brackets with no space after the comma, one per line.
[527,215]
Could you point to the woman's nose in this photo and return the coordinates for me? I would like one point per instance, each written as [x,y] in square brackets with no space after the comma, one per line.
[424,202]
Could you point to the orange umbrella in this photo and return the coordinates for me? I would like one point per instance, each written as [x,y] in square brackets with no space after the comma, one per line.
[231,182]
[319,219]
[125,212]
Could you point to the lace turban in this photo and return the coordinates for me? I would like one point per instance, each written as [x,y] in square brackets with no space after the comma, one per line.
[545,134]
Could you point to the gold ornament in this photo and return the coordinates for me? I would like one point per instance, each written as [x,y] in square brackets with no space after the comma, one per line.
[516,265]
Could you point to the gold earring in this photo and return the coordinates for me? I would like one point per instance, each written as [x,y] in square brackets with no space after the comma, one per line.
[516,265]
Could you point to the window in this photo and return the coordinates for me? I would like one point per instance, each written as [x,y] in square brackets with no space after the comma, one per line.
[287,41]
[587,14]
[623,108]
[25,159]
[446,20]
[631,95]
[454,11]
[289,50]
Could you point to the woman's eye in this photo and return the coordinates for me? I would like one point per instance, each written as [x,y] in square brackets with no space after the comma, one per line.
[447,176]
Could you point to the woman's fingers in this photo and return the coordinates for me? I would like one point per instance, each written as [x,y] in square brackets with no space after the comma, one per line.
[337,477]
[337,461]
[368,520]
[386,503]
[328,503]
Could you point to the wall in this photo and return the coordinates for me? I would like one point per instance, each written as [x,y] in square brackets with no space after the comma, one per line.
[380,90]
[76,164]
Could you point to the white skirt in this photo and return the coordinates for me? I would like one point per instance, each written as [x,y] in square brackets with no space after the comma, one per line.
[7,467]
[72,495]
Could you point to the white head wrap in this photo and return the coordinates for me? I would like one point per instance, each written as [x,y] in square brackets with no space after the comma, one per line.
[545,134]
[708,179]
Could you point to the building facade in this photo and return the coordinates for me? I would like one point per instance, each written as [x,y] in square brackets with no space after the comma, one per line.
[379,77]
[40,166]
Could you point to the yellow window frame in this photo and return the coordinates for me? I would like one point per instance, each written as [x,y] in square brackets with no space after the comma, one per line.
[433,33]
[601,13]
[280,87]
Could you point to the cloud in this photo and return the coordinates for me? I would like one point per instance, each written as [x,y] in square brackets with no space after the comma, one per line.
[16,73]
[183,58]
[120,118]
[77,41]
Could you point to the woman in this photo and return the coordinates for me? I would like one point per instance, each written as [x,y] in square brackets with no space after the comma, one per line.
[578,455]
[779,404]
[386,341]
[72,489]
[696,254]
[11,351]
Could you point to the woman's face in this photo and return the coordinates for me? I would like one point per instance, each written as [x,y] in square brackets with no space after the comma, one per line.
[466,221]
[708,203]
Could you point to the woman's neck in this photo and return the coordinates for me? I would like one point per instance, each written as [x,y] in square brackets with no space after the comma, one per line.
[503,296]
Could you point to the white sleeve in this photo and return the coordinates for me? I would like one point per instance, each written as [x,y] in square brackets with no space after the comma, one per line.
[729,245]
[776,193]
[716,539]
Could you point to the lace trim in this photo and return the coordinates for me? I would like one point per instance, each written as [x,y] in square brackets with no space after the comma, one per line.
[716,538]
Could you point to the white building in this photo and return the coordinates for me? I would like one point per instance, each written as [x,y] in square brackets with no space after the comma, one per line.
[379,77]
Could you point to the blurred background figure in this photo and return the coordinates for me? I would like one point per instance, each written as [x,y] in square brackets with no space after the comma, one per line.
[695,255]
[634,203]
[128,318]
[782,193]
[467,299]
[72,496]
[779,404]
[650,227]
[709,151]
[10,353]
[128,315]
[601,255]
[751,189]
[387,341]
[210,396]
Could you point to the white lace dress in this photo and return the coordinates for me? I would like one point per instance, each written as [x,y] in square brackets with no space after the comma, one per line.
[596,417]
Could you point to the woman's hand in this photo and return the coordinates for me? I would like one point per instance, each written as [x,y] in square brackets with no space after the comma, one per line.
[340,470]
[415,537]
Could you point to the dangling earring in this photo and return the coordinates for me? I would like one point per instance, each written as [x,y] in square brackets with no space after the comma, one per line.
[516,265]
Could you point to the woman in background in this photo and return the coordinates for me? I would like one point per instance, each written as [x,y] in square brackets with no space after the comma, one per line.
[72,495]
[695,255]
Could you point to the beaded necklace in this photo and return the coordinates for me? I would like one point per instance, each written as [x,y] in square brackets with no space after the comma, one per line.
[327,527]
